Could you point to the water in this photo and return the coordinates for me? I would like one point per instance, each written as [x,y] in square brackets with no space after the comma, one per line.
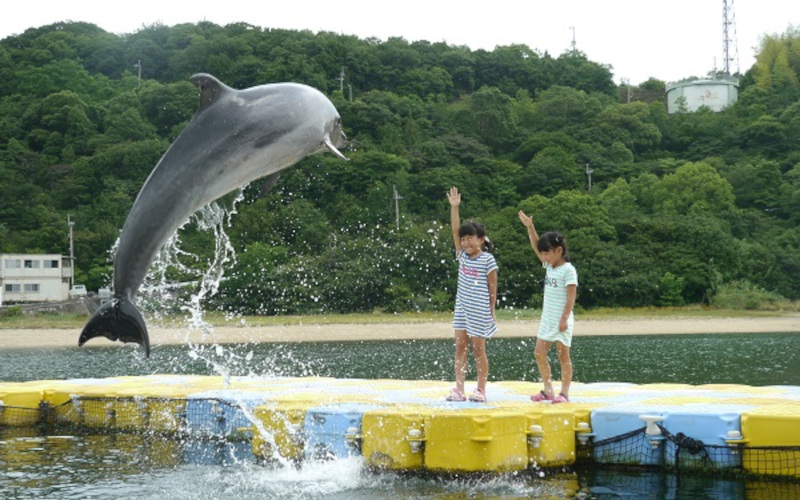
[751,359]
[126,466]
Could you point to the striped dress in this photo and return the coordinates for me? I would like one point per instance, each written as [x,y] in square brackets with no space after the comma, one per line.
[555,298]
[472,311]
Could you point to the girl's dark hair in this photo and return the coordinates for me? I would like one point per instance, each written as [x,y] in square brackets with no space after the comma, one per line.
[549,241]
[476,229]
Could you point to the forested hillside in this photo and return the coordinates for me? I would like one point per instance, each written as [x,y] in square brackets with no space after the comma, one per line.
[680,209]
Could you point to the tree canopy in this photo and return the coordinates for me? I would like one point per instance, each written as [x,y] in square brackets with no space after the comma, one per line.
[658,209]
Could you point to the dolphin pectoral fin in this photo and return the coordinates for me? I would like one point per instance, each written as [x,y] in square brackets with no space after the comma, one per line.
[268,183]
[117,320]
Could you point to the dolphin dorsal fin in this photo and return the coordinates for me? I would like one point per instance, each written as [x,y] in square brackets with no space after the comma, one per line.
[211,89]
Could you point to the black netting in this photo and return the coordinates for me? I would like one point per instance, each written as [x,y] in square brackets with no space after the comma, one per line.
[682,452]
[772,460]
[216,417]
[13,416]
[631,448]
[133,414]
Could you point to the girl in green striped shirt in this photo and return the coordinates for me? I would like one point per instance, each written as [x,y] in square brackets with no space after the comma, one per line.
[560,289]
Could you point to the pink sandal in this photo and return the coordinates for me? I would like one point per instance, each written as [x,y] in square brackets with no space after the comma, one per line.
[541,396]
[561,398]
[478,396]
[456,395]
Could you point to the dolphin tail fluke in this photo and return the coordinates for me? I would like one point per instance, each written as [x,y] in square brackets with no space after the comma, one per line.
[120,320]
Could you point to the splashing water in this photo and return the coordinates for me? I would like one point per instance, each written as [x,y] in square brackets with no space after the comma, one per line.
[213,218]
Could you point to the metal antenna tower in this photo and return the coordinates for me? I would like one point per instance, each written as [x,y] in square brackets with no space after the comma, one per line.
[730,47]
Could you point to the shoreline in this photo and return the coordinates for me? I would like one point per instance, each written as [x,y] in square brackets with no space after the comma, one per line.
[16,338]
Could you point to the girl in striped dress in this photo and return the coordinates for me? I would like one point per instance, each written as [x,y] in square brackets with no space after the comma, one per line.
[474,318]
[560,288]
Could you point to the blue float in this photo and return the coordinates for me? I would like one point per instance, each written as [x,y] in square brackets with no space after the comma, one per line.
[334,431]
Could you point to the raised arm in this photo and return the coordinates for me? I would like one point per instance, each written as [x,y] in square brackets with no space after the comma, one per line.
[533,236]
[454,197]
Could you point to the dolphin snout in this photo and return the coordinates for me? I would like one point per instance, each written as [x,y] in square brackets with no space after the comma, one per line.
[336,138]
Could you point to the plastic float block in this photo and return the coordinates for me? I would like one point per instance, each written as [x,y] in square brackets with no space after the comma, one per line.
[471,440]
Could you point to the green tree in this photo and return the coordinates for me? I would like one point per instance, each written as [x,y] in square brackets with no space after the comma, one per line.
[566,110]
[629,125]
[693,188]
[487,115]
[755,184]
[790,195]
[671,288]
[777,68]
[550,171]
[619,200]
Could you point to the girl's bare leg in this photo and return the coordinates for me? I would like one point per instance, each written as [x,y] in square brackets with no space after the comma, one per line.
[460,361]
[540,355]
[481,361]
[566,367]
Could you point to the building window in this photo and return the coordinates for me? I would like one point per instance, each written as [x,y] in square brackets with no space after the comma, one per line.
[31,264]
[32,287]
[12,263]
[50,264]
[11,288]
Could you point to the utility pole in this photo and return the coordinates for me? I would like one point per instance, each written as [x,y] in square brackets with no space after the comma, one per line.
[589,172]
[341,81]
[71,253]
[574,49]
[138,66]
[396,197]
[627,84]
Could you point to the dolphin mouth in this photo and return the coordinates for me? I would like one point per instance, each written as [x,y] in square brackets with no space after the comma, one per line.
[335,138]
[333,149]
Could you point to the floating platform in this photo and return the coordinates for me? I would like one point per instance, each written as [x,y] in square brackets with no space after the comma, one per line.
[406,425]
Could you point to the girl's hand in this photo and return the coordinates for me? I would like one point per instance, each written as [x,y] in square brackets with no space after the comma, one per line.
[454,197]
[562,325]
[526,221]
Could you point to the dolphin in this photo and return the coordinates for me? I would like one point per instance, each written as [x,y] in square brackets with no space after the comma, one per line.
[234,138]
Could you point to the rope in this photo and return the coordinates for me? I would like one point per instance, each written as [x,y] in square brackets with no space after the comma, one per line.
[682,441]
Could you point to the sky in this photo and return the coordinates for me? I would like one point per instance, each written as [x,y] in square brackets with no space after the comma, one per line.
[639,39]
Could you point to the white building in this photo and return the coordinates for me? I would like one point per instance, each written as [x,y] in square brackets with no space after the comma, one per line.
[715,94]
[34,278]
